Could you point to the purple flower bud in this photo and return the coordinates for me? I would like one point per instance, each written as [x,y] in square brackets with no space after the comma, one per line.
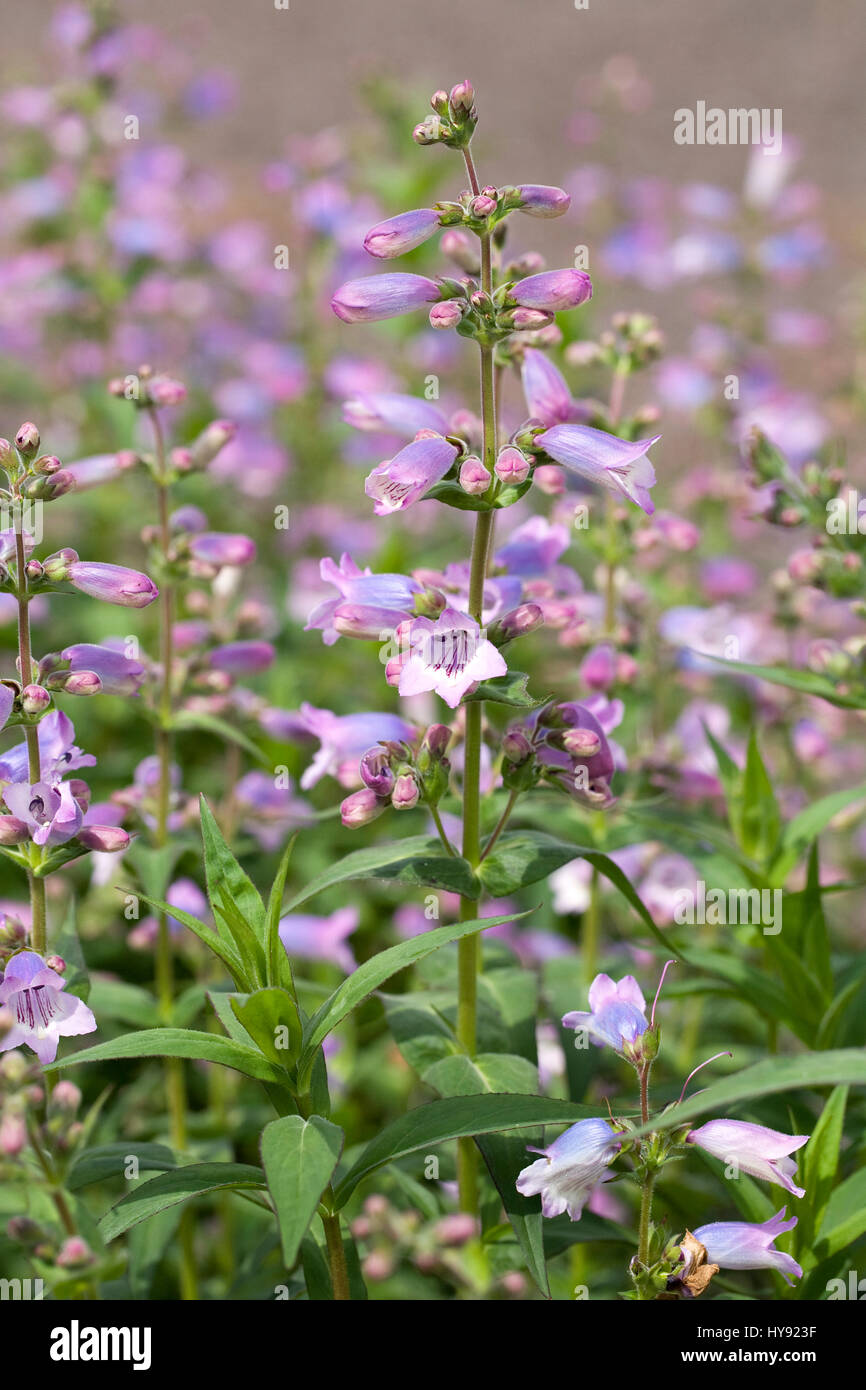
[427,131]
[406,793]
[483,205]
[13,831]
[105,839]
[436,739]
[66,1095]
[526,320]
[47,464]
[516,747]
[48,488]
[360,808]
[474,477]
[462,96]
[242,658]
[553,290]
[447,314]
[511,467]
[598,668]
[402,233]
[582,743]
[211,440]
[376,772]
[27,441]
[221,548]
[73,1253]
[383,297]
[521,620]
[164,390]
[34,699]
[13,1135]
[188,520]
[82,683]
[56,963]
[101,468]
[111,583]
[541,200]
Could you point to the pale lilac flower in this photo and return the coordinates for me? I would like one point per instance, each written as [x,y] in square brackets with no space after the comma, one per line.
[361,807]
[100,468]
[756,1150]
[393,413]
[749,1245]
[112,583]
[321,938]
[616,464]
[344,738]
[552,290]
[269,812]
[402,233]
[242,658]
[618,1013]
[570,1168]
[548,397]
[404,479]
[385,598]
[378,297]
[51,813]
[41,1012]
[448,656]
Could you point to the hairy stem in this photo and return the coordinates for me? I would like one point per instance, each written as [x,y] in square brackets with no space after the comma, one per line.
[336,1259]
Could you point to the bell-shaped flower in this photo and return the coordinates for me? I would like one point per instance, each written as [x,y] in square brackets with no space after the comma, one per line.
[393,413]
[404,479]
[385,600]
[448,656]
[756,1150]
[619,465]
[58,754]
[749,1245]
[402,233]
[552,290]
[344,738]
[111,583]
[51,814]
[570,1168]
[617,1014]
[118,674]
[41,1013]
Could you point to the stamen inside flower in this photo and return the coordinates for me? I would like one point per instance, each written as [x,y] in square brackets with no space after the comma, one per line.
[31,1003]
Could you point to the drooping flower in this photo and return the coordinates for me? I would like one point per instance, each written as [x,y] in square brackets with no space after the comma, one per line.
[756,1150]
[570,1168]
[118,674]
[448,656]
[41,1012]
[617,1014]
[749,1245]
[378,297]
[616,464]
[403,480]
[402,233]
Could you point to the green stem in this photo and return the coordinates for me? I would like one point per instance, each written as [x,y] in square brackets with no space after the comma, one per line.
[336,1259]
[501,823]
[39,917]
[440,829]
[175,1085]
[591,930]
[646,1208]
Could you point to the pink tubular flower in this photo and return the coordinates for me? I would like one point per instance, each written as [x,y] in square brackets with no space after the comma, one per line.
[118,674]
[542,200]
[361,807]
[378,297]
[393,412]
[112,583]
[748,1245]
[42,1013]
[552,290]
[618,1013]
[404,479]
[402,233]
[546,390]
[104,839]
[615,464]
[222,548]
[756,1150]
[448,656]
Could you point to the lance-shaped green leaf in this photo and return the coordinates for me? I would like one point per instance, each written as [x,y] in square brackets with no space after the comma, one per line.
[456,1118]
[270,1016]
[222,949]
[845,1217]
[803,828]
[106,1161]
[808,682]
[279,969]
[167,1190]
[817,1169]
[180,1042]
[842,1067]
[226,880]
[299,1158]
[374,973]
[418,859]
